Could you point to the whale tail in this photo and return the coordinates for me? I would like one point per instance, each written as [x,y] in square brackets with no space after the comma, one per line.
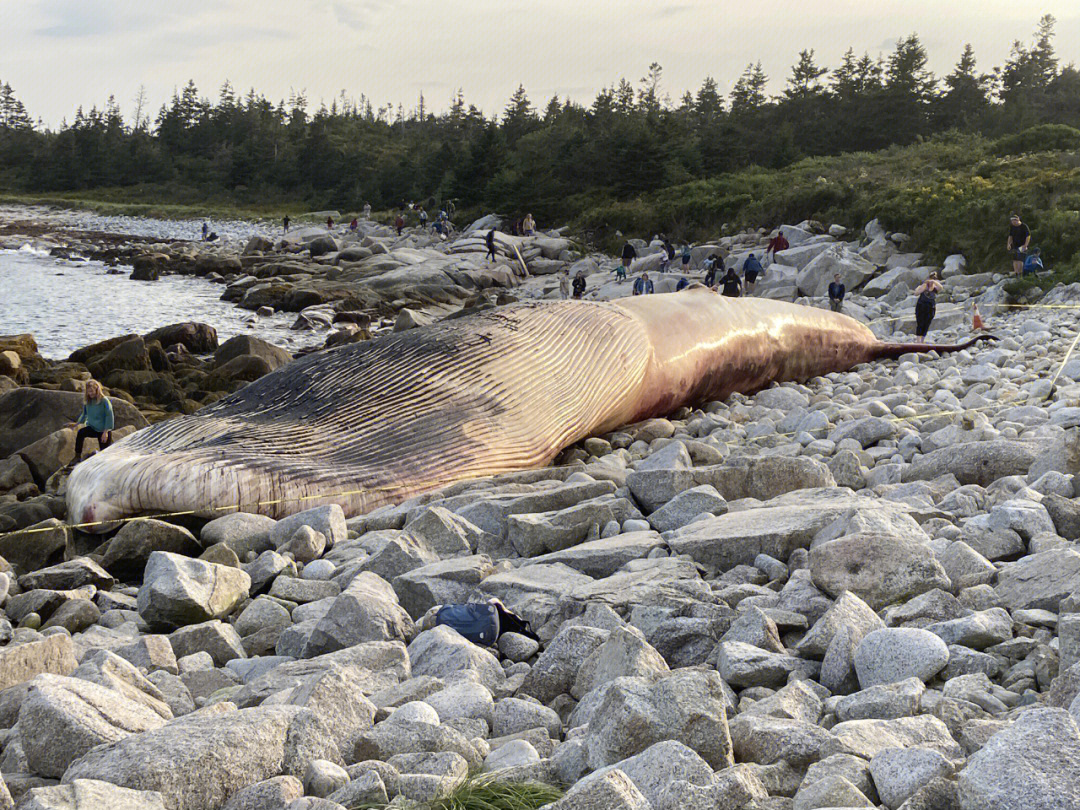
[893,350]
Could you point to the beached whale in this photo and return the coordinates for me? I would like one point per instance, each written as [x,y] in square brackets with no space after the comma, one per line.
[375,423]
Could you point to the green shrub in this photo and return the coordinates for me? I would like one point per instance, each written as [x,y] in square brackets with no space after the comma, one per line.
[1044,138]
[484,793]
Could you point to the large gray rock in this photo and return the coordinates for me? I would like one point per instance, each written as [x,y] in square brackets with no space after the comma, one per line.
[686,506]
[21,662]
[604,557]
[866,738]
[367,610]
[336,698]
[216,638]
[120,676]
[128,552]
[270,794]
[745,665]
[378,664]
[328,520]
[535,534]
[199,761]
[177,590]
[441,583]
[626,653]
[688,706]
[894,654]
[240,531]
[441,652]
[899,773]
[978,631]
[1039,580]
[388,739]
[90,794]
[979,463]
[1032,764]
[556,669]
[445,533]
[63,718]
[766,740]
[847,611]
[879,569]
[611,791]
[657,766]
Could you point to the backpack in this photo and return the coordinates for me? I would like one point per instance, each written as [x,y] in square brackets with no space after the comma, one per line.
[477,621]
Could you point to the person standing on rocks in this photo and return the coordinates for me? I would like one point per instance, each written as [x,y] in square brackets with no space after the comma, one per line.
[1017,244]
[354,224]
[686,256]
[579,284]
[776,244]
[564,283]
[285,223]
[329,223]
[710,270]
[751,268]
[629,253]
[529,225]
[732,286]
[367,211]
[926,306]
[489,240]
[423,218]
[205,230]
[96,419]
[643,285]
[836,293]
[399,223]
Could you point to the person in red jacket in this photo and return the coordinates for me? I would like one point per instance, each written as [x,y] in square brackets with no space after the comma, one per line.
[778,243]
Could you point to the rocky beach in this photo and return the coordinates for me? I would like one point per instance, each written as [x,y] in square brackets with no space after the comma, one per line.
[858,591]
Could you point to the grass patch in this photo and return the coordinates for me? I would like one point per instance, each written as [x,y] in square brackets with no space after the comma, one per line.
[485,793]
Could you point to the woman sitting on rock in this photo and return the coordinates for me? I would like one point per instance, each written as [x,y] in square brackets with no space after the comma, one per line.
[96,419]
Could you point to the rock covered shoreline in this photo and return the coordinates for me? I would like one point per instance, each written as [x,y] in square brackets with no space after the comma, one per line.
[863,591]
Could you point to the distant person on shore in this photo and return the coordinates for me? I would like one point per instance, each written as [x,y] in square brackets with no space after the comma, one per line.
[285,223]
[579,284]
[1017,245]
[776,244]
[751,268]
[836,293]
[564,283]
[367,211]
[399,223]
[96,419]
[354,224]
[629,253]
[423,218]
[489,240]
[926,306]
[1033,263]
[686,256]
[643,285]
[710,270]
[730,284]
[529,225]
[329,223]
[205,230]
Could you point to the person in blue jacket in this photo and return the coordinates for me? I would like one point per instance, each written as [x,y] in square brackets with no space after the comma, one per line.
[643,285]
[751,268]
[96,419]
[1033,263]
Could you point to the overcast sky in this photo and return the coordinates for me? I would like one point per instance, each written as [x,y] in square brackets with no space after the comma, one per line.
[58,54]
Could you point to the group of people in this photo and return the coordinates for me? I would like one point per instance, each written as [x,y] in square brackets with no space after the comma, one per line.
[565,284]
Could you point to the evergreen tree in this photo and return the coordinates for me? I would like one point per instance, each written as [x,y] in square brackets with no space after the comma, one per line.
[805,81]
[749,91]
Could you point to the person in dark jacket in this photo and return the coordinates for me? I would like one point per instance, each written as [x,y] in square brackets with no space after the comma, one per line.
[579,284]
[776,244]
[710,270]
[489,240]
[836,294]
[926,306]
[628,256]
[731,285]
[751,268]
[684,282]
[643,285]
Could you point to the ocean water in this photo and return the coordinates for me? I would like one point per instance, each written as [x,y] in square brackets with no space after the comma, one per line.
[66,305]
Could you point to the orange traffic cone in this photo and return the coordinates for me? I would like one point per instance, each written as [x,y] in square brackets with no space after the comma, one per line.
[976,318]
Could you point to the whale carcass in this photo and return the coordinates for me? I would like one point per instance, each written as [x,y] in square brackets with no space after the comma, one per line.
[375,423]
